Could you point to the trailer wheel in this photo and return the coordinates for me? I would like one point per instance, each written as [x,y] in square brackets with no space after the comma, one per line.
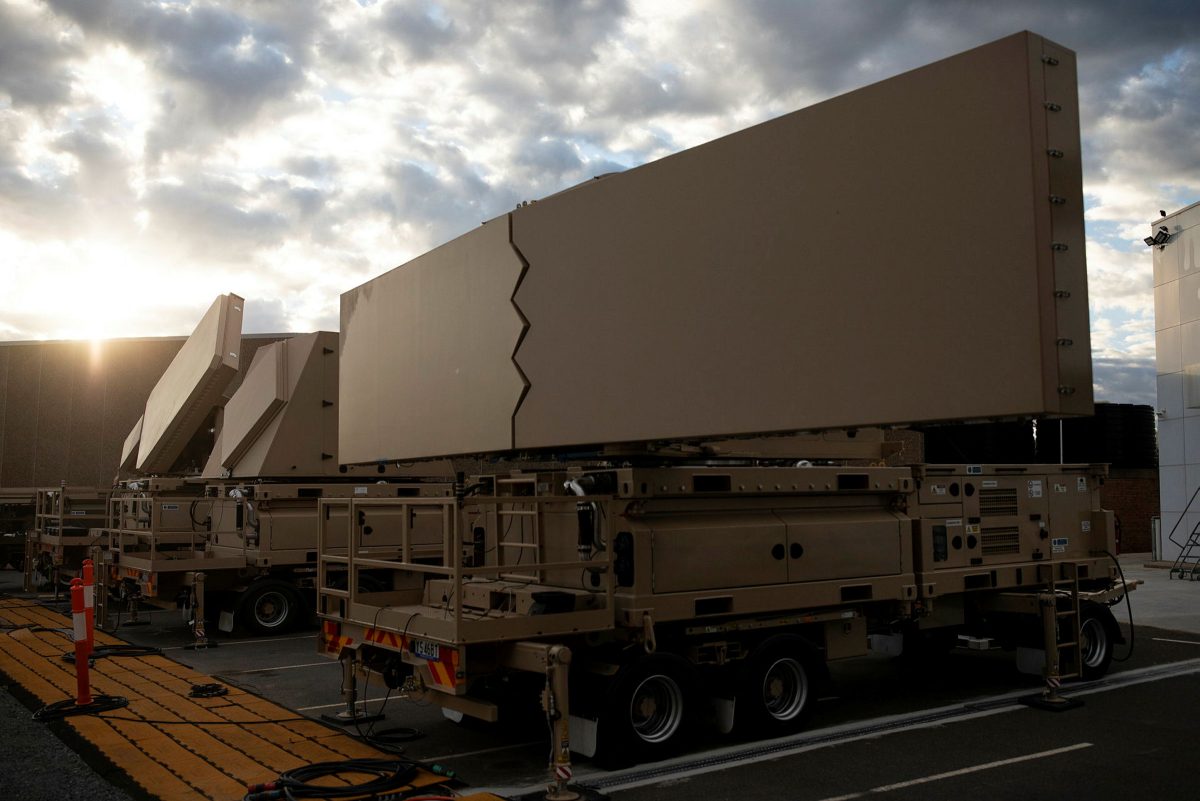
[776,687]
[1098,632]
[650,711]
[270,608]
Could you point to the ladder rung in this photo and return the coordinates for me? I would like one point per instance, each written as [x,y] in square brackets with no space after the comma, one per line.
[518,545]
[521,512]
[1064,645]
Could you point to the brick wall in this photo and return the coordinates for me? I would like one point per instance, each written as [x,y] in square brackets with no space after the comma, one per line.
[1133,497]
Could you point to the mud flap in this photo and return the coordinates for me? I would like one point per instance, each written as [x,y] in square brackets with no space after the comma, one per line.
[583,735]
[723,710]
[1031,660]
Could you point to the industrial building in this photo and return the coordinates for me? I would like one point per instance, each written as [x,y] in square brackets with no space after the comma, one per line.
[66,406]
[1174,240]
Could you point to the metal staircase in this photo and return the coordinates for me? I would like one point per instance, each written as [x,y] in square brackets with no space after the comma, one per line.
[1187,564]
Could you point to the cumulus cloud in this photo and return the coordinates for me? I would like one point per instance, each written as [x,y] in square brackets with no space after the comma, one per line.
[289,151]
[1125,380]
[33,60]
[219,68]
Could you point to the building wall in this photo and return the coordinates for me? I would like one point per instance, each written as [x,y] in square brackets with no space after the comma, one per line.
[1133,496]
[1177,345]
[66,406]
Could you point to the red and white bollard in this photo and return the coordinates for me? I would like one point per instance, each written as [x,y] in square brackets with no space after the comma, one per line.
[89,603]
[83,696]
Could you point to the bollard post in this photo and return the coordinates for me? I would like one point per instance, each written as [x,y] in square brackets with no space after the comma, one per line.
[83,696]
[89,602]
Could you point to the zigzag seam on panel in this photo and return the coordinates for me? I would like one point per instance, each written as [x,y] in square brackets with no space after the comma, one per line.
[520,337]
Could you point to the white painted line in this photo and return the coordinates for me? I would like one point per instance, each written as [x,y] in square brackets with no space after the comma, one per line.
[446,757]
[282,667]
[887,788]
[1181,642]
[255,641]
[719,759]
[319,706]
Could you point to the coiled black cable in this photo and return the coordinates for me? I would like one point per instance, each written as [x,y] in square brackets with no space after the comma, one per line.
[386,775]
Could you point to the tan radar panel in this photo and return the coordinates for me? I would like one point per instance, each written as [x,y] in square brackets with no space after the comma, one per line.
[129,449]
[263,392]
[912,251]
[192,386]
[282,421]
[426,353]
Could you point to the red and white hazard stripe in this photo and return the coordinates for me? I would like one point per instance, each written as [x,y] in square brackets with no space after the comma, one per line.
[83,694]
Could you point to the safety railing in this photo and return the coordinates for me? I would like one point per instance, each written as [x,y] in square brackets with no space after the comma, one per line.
[348,555]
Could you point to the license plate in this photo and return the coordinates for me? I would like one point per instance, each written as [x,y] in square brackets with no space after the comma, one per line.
[427,650]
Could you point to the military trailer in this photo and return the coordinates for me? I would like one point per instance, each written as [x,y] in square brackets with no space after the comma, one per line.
[678,588]
[909,252]
[17,506]
[62,534]
[218,506]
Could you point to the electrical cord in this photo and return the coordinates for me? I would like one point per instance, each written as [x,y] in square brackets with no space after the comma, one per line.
[1128,606]
[202,724]
[68,708]
[386,776]
[388,740]
[104,651]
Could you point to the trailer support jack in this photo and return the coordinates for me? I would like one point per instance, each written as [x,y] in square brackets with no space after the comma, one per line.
[198,621]
[558,713]
[1050,698]
[352,713]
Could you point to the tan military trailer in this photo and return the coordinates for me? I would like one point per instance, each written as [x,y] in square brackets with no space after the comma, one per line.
[218,509]
[17,505]
[678,589]
[62,533]
[909,252]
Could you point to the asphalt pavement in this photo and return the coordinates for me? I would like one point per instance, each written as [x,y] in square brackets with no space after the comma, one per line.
[1124,741]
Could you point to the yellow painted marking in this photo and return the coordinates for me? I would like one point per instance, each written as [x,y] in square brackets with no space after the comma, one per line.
[174,747]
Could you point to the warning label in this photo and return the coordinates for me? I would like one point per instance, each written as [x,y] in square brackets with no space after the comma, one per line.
[1035,488]
[1059,544]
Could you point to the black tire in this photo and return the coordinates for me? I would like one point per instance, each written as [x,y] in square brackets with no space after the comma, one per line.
[776,687]
[270,607]
[1098,633]
[651,711]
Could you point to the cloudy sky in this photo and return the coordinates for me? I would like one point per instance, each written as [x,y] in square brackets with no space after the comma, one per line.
[156,154]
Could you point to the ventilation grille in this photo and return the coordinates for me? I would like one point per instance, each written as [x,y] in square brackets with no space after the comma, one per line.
[997,502]
[995,541]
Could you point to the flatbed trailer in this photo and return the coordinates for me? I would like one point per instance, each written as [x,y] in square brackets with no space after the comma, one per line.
[672,592]
[17,506]
[63,533]
[248,549]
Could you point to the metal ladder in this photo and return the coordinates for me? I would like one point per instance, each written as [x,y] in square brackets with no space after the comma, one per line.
[1067,661]
[1187,564]
[511,517]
